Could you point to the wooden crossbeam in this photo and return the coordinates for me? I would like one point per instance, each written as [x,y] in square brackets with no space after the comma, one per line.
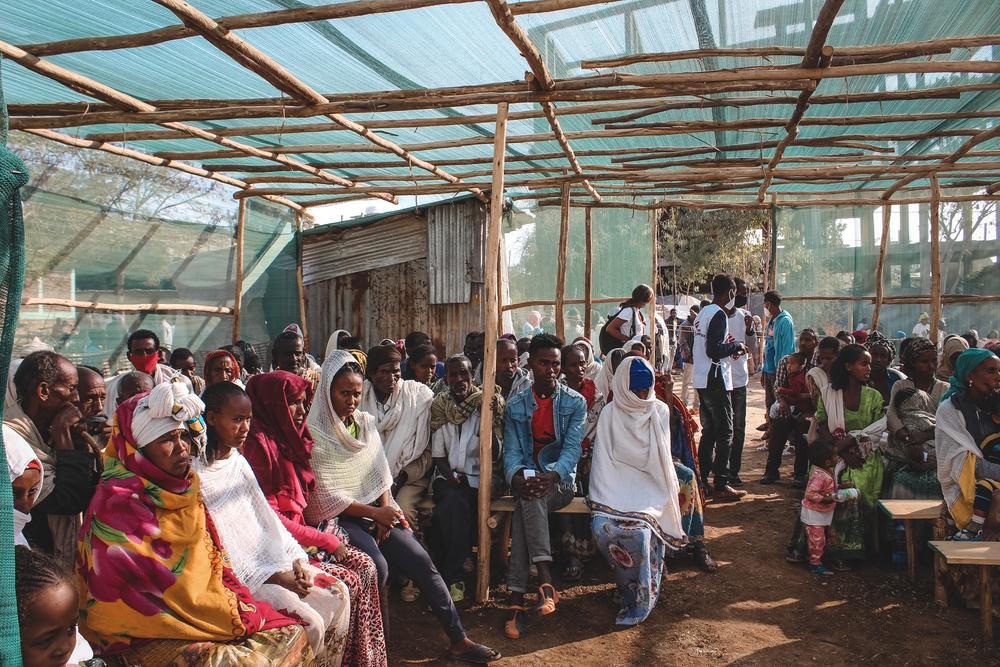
[281,78]
[817,55]
[541,78]
[97,90]
[951,159]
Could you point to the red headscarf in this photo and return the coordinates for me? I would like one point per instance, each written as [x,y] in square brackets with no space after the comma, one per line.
[277,449]
[215,354]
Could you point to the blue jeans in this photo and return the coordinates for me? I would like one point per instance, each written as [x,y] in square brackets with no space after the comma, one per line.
[716,431]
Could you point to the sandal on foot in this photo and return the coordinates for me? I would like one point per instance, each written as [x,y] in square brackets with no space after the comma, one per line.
[547,603]
[515,628]
[477,654]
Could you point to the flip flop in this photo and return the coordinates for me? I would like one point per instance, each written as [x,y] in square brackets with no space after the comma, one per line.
[477,655]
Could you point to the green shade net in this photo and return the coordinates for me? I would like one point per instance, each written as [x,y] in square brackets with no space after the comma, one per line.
[833,252]
[13,175]
[107,229]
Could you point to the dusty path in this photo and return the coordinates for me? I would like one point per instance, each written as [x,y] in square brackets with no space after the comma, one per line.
[756,610]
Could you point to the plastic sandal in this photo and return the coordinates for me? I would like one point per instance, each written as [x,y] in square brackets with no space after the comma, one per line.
[547,603]
[514,628]
[965,535]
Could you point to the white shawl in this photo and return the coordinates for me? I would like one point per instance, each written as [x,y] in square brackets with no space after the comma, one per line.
[19,456]
[347,469]
[605,375]
[257,544]
[404,426]
[331,342]
[953,443]
[633,475]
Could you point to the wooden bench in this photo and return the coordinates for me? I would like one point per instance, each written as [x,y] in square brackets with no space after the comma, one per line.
[984,554]
[909,511]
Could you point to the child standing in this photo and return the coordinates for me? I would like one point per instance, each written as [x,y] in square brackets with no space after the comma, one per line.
[819,502]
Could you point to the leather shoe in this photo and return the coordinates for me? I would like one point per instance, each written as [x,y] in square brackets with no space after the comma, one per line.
[727,493]
[799,483]
[704,559]
[735,482]
[768,479]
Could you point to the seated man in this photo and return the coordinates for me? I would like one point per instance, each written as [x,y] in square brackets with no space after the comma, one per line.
[143,350]
[510,378]
[543,432]
[288,353]
[182,361]
[47,417]
[93,395]
[455,417]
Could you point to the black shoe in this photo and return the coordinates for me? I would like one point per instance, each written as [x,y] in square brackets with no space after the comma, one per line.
[768,479]
[799,482]
[735,481]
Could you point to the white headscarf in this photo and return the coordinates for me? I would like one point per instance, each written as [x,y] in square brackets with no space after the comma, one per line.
[35,345]
[633,475]
[19,456]
[167,408]
[347,469]
[331,342]
[589,356]
[404,426]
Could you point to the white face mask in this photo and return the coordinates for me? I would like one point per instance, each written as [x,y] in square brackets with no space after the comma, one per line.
[20,521]
[731,304]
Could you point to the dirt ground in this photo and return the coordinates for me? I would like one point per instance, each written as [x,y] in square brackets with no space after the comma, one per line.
[757,609]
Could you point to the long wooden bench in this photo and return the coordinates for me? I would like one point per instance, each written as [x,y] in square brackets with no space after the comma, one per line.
[910,511]
[985,555]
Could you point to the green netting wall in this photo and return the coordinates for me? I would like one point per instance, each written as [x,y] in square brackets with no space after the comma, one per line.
[102,228]
[833,252]
[622,259]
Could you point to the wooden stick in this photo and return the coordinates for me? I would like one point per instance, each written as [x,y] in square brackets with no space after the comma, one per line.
[588,269]
[281,78]
[566,302]
[961,151]
[986,602]
[114,97]
[490,356]
[100,306]
[299,284]
[651,315]
[880,266]
[238,296]
[908,299]
[846,53]
[561,264]
[935,206]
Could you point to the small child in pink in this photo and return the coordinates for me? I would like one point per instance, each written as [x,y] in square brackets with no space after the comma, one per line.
[820,500]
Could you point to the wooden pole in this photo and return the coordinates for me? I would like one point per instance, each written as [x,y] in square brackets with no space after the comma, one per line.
[299,284]
[935,257]
[490,357]
[652,304]
[561,266]
[588,269]
[238,296]
[880,267]
[99,306]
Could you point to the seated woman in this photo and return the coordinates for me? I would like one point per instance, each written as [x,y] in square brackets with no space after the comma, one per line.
[221,366]
[278,449]
[634,490]
[155,585]
[967,420]
[846,407]
[911,461]
[353,483]
[883,377]
[950,349]
[263,554]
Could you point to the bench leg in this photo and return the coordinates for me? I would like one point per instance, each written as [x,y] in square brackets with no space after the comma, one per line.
[911,550]
[505,539]
[986,602]
[940,591]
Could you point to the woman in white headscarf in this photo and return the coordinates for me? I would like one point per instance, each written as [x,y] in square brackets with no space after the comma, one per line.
[353,484]
[25,475]
[636,517]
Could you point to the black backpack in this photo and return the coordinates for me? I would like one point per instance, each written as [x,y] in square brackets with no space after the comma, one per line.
[606,340]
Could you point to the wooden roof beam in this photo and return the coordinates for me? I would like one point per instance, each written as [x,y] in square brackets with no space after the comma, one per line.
[278,76]
[817,55]
[948,161]
[541,78]
[97,90]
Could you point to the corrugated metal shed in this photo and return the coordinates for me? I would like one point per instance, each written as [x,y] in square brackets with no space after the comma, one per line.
[340,252]
[455,249]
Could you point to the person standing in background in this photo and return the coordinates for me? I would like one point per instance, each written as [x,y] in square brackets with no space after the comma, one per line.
[740,330]
[779,342]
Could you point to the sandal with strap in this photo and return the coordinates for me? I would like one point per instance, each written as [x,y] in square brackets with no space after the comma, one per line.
[547,603]
[477,654]
[515,628]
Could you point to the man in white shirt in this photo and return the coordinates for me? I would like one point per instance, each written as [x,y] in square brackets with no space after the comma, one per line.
[741,330]
[923,326]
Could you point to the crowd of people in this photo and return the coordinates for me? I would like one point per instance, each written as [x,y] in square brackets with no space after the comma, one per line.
[241,514]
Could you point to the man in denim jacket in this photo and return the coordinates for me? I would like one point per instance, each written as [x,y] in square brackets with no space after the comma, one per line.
[543,433]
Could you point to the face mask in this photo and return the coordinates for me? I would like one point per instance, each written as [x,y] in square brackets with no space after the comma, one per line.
[741,301]
[20,521]
[731,304]
[144,362]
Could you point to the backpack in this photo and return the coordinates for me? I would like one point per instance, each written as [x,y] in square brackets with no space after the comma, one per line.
[606,340]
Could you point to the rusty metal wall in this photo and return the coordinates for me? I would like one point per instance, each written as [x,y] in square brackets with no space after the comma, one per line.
[455,249]
[390,242]
[388,302]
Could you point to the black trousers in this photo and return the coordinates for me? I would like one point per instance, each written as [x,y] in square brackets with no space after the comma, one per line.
[454,527]
[716,430]
[738,397]
[787,429]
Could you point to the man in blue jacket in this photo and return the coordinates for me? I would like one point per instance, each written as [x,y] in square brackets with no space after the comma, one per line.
[543,434]
[779,342]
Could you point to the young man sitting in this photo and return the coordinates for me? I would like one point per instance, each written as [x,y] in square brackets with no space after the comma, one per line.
[543,432]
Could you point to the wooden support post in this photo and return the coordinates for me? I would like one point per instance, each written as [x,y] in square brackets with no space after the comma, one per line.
[490,356]
[911,549]
[880,267]
[940,591]
[561,267]
[588,287]
[300,286]
[986,602]
[651,316]
[238,297]
[935,257]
